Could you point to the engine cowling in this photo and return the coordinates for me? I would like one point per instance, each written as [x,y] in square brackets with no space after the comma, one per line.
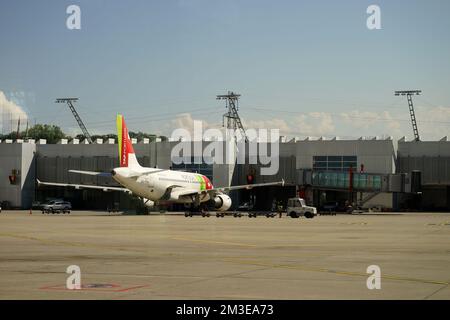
[222,202]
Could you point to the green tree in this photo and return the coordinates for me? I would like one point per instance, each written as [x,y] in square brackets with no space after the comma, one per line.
[141,135]
[51,133]
[105,137]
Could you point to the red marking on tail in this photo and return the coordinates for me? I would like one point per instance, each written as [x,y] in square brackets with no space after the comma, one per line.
[127,146]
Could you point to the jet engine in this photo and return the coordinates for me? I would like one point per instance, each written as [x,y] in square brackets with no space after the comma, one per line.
[222,202]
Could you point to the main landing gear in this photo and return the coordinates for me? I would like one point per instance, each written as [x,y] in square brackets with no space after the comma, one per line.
[201,210]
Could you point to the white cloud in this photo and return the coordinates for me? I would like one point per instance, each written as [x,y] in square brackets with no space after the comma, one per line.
[280,124]
[367,119]
[10,111]
[372,123]
[186,121]
[315,124]
[433,122]
[311,124]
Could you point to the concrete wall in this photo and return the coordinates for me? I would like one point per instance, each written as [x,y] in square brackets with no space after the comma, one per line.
[432,158]
[424,148]
[17,156]
[378,156]
[28,176]
[11,159]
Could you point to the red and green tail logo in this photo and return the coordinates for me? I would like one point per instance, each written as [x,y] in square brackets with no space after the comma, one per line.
[205,184]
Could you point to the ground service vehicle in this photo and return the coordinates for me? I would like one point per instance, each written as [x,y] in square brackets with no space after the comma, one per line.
[297,207]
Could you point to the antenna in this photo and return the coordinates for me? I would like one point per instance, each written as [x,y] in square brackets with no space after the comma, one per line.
[69,102]
[18,129]
[409,94]
[233,121]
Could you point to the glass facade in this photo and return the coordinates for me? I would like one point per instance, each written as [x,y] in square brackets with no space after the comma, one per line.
[333,172]
[339,180]
[334,163]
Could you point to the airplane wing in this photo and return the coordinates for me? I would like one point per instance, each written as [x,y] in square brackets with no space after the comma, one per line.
[92,173]
[109,174]
[83,186]
[178,192]
[247,186]
[183,192]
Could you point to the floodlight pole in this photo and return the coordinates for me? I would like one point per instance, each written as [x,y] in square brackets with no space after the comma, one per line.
[69,102]
[409,94]
[233,121]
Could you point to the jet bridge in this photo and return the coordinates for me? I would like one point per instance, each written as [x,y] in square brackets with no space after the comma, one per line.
[369,184]
[360,182]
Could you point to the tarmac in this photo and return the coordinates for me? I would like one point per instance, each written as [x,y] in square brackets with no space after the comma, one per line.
[174,257]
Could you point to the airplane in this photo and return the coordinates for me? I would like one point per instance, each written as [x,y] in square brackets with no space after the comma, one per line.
[155,185]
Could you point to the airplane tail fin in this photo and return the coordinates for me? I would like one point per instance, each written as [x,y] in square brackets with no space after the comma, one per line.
[127,157]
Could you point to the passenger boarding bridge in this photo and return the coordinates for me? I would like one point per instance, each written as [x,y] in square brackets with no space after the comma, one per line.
[368,183]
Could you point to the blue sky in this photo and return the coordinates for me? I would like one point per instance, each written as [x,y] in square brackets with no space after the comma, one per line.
[308,67]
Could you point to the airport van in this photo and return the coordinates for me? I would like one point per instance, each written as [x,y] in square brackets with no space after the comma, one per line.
[296,207]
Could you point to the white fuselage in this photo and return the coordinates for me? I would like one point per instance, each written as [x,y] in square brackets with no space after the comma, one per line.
[153,184]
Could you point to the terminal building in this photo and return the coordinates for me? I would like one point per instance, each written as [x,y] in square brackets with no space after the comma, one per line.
[368,172]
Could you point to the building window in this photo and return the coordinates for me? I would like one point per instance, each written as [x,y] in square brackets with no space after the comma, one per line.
[334,163]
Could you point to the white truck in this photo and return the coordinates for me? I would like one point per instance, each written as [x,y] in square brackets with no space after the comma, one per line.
[296,207]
